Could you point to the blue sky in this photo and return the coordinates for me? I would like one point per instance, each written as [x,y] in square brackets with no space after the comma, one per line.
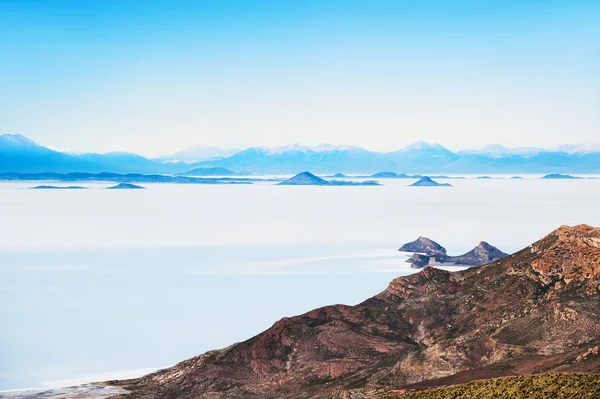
[156,76]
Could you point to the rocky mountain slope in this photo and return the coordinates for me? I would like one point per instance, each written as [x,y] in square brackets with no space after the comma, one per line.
[537,310]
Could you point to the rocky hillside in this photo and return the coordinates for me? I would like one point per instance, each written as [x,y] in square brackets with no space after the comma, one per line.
[537,310]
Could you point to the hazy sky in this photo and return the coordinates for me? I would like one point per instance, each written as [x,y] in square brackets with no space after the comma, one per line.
[154,77]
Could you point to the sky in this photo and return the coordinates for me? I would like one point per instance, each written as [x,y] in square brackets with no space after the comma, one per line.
[154,77]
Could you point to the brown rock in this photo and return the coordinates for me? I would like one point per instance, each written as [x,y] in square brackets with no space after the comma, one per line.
[535,311]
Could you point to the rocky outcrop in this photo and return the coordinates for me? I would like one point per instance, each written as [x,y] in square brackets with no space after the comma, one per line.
[534,311]
[423,245]
[480,255]
[429,252]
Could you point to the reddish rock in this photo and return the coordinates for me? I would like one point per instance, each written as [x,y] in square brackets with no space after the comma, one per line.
[535,311]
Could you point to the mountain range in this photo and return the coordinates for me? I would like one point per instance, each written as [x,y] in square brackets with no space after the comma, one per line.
[535,311]
[20,155]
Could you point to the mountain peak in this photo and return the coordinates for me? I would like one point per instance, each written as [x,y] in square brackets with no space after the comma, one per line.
[18,139]
[568,254]
[484,245]
[423,145]
[423,245]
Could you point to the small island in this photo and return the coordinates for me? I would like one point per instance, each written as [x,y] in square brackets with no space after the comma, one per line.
[209,172]
[125,186]
[427,252]
[308,179]
[58,188]
[559,176]
[428,182]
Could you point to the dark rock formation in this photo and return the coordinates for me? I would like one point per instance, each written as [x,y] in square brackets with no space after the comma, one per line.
[419,261]
[429,252]
[480,255]
[535,311]
[423,245]
[428,182]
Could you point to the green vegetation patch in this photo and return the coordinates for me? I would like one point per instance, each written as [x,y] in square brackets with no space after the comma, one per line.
[543,386]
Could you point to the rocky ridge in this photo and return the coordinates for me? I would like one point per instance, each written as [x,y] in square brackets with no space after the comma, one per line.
[534,311]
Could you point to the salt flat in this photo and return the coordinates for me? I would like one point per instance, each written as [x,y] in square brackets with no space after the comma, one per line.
[93,281]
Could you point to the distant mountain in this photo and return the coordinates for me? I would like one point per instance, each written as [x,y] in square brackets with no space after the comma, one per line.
[588,148]
[125,186]
[535,311]
[421,157]
[428,182]
[21,155]
[497,150]
[199,153]
[308,179]
[385,175]
[216,171]
[295,159]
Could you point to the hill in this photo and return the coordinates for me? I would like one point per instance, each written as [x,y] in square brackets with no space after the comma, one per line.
[429,182]
[534,311]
